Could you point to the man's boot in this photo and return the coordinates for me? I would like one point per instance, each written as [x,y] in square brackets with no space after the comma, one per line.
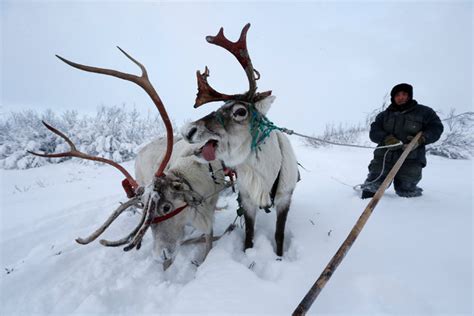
[368,189]
[367,194]
[417,191]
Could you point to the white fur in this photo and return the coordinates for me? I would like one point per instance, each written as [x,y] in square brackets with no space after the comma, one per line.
[259,171]
[264,105]
[168,235]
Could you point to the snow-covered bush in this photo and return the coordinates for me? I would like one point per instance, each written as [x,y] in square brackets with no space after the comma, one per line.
[341,134]
[114,133]
[21,131]
[457,140]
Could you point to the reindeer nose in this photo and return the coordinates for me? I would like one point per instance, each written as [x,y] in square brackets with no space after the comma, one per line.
[191,133]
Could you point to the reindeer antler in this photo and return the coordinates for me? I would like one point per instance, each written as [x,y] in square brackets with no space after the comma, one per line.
[206,93]
[132,202]
[145,83]
[239,49]
[135,237]
[73,152]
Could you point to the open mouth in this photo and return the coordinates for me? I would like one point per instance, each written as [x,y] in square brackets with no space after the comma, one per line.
[208,151]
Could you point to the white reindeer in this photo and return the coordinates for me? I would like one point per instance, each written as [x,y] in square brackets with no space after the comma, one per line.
[239,134]
[186,193]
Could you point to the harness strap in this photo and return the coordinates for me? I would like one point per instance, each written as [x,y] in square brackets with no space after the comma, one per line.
[232,174]
[213,175]
[127,186]
[159,219]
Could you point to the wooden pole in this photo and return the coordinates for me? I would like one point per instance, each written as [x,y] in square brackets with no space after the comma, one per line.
[317,287]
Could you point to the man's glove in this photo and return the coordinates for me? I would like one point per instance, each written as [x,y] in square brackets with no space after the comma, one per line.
[420,141]
[391,140]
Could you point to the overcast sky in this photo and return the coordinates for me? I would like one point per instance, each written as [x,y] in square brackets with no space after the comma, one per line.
[327,62]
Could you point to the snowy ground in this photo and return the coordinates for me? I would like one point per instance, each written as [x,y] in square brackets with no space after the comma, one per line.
[414,256]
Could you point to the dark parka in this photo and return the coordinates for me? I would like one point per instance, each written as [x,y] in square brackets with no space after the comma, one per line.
[402,122]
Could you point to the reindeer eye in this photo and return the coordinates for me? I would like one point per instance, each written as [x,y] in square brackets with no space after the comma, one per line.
[177,186]
[240,113]
[166,208]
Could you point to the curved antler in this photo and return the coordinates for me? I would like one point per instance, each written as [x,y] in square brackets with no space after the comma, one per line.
[73,152]
[146,85]
[206,93]
[128,238]
[149,206]
[134,239]
[239,49]
[106,224]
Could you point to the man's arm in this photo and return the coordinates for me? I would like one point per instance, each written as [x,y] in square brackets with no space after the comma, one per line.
[377,133]
[432,127]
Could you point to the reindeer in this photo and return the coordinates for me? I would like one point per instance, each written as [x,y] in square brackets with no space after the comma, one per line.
[240,135]
[163,197]
[187,181]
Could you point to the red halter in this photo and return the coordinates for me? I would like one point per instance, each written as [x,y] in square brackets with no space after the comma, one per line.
[160,219]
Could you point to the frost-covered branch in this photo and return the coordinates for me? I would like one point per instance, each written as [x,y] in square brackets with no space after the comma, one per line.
[115,133]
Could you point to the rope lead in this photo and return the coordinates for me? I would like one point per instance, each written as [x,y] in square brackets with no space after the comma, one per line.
[261,127]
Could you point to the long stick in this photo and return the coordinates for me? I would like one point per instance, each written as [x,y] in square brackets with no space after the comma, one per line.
[317,287]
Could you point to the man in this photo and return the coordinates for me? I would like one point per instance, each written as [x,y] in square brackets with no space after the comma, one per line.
[400,122]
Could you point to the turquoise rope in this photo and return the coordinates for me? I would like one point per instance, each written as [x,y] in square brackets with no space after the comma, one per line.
[260,127]
[220,118]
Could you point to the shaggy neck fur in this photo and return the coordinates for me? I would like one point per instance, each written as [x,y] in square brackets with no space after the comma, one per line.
[258,171]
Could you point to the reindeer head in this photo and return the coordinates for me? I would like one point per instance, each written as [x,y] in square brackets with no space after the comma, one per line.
[167,195]
[231,132]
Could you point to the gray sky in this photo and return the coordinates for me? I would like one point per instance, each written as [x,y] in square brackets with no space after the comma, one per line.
[327,62]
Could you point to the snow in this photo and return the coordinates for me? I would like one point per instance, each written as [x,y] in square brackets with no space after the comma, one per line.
[414,256]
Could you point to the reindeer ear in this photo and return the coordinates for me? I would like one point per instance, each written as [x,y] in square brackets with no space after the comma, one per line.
[179,186]
[264,105]
[192,198]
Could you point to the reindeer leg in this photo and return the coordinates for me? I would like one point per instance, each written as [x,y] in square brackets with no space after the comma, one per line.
[250,211]
[282,214]
[167,264]
[208,237]
[203,237]
[249,228]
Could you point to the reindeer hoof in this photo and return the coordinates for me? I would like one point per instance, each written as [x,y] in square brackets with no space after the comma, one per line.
[167,264]
[248,244]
